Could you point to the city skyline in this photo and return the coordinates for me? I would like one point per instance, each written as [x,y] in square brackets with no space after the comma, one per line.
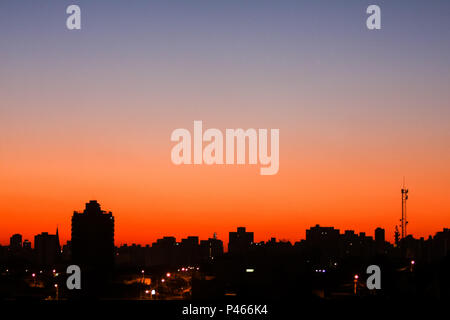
[14,236]
[197,269]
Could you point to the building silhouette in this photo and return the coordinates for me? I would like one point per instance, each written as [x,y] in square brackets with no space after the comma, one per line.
[380,240]
[323,243]
[92,245]
[240,241]
[26,245]
[211,248]
[47,248]
[15,242]
[93,237]
[189,251]
[164,251]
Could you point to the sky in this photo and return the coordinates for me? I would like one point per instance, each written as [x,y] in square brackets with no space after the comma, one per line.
[87,114]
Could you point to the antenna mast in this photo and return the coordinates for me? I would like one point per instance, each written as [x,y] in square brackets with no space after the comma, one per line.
[403,220]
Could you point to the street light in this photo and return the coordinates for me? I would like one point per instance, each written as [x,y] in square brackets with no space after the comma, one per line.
[57,291]
[142,283]
[355,283]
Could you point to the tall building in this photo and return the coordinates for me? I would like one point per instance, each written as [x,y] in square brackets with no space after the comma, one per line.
[211,248]
[380,240]
[323,237]
[92,241]
[47,248]
[163,252]
[15,242]
[324,243]
[240,241]
[189,251]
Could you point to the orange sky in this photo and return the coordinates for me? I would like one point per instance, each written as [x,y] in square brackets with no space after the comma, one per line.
[88,115]
[150,197]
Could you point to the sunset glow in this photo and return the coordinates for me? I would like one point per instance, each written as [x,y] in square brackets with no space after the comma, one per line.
[89,116]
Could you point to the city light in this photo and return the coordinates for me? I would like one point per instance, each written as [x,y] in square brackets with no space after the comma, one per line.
[250,270]
[153,292]
[163,280]
[356,277]
[168,275]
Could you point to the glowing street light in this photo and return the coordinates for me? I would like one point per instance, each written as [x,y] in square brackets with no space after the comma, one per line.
[168,274]
[355,283]
[57,291]
[34,278]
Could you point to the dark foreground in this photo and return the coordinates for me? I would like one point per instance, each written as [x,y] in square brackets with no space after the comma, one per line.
[360,308]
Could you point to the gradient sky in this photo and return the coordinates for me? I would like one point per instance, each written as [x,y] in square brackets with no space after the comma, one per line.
[88,115]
